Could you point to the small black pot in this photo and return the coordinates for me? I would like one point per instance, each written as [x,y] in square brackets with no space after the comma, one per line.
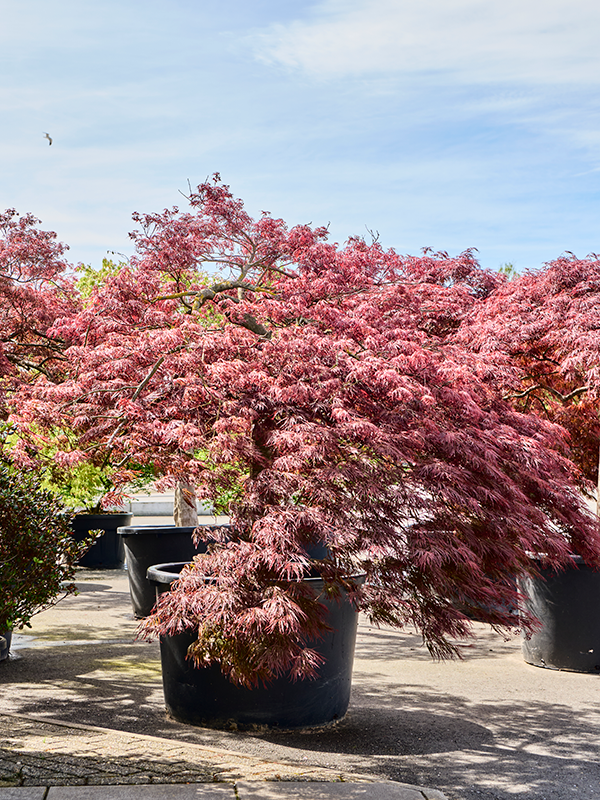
[5,641]
[206,697]
[107,551]
[152,544]
[567,604]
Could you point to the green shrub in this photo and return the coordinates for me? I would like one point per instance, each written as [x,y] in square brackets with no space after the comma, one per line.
[37,551]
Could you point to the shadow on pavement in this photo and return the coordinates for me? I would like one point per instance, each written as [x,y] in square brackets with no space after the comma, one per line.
[385,645]
[536,750]
[83,587]
[110,685]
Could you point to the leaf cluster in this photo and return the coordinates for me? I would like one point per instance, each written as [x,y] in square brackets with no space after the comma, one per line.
[91,279]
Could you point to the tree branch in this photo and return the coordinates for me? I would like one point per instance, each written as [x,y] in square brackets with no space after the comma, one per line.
[564,398]
[210,292]
[251,324]
[148,377]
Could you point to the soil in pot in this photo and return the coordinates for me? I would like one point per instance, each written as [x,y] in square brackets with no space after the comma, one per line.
[206,697]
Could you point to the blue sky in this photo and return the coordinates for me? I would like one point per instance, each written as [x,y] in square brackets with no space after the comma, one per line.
[444,123]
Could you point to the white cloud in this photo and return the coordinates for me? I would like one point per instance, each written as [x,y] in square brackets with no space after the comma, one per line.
[478,41]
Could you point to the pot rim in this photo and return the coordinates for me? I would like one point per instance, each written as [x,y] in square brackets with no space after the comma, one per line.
[165,530]
[158,574]
[542,557]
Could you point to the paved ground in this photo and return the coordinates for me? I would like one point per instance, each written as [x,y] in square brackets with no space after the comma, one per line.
[487,728]
[37,754]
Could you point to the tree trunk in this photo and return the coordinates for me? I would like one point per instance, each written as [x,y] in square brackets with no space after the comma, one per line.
[185,512]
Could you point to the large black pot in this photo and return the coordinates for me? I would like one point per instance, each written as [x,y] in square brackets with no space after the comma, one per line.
[567,604]
[107,551]
[206,697]
[146,545]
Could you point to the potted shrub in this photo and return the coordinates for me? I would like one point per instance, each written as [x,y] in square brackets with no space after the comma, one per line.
[73,466]
[539,334]
[207,697]
[322,386]
[86,482]
[80,473]
[38,554]
[35,293]
[38,295]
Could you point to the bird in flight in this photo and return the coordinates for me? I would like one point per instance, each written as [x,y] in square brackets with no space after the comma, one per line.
[47,135]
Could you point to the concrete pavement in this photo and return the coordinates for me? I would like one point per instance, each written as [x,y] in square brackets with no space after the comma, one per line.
[81,698]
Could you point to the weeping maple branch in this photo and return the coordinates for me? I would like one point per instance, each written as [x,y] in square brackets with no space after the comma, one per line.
[564,398]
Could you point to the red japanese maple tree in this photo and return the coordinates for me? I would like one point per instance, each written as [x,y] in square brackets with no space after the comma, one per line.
[321,389]
[541,332]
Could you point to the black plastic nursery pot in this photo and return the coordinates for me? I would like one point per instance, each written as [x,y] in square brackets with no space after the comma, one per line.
[5,641]
[567,604]
[146,545]
[107,551]
[206,697]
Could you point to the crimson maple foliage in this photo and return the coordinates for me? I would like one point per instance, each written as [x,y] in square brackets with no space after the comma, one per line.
[542,333]
[322,389]
[34,293]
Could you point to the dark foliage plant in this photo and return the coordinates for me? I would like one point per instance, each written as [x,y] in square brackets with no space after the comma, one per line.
[37,551]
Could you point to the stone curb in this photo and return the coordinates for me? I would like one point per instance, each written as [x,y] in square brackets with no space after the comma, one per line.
[240,791]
